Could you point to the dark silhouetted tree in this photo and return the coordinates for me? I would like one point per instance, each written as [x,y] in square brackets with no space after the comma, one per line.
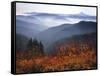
[35,42]
[35,48]
[41,47]
[29,45]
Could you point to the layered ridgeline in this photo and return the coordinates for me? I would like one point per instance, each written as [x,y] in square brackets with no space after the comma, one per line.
[33,23]
[51,36]
[64,31]
[28,26]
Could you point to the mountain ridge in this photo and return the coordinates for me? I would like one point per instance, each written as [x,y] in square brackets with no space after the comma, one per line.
[53,34]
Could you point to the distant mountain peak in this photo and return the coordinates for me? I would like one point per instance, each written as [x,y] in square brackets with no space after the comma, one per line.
[82,14]
[81,22]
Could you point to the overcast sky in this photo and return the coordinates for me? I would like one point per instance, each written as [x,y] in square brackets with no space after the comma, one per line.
[22,8]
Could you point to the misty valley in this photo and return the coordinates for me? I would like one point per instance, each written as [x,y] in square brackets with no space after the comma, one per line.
[64,46]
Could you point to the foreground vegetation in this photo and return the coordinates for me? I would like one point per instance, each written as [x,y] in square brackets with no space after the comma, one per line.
[78,53]
[84,60]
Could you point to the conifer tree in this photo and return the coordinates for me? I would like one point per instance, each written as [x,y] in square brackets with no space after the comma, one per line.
[41,48]
[35,42]
[29,45]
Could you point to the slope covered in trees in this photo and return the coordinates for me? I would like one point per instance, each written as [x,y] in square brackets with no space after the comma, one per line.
[76,53]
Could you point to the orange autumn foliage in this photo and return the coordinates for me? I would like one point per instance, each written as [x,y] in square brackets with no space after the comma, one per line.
[69,57]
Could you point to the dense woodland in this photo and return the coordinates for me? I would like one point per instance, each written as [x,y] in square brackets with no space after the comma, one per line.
[73,54]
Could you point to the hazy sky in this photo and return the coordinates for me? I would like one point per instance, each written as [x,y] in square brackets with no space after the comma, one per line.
[22,8]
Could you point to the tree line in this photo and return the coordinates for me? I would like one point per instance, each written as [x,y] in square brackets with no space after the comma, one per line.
[34,48]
